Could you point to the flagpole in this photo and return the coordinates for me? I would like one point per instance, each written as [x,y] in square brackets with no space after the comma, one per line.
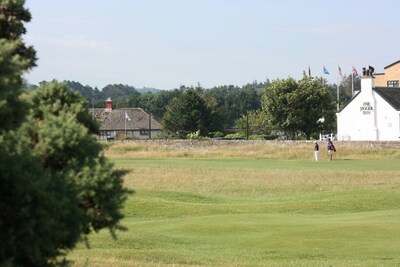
[337,95]
[340,75]
[352,83]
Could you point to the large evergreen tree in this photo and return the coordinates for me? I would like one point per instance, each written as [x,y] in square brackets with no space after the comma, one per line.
[60,128]
[13,15]
[15,58]
[55,184]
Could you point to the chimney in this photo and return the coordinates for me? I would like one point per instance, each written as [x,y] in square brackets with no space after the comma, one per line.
[368,79]
[109,106]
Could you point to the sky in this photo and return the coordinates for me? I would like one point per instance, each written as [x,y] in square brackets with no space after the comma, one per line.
[165,44]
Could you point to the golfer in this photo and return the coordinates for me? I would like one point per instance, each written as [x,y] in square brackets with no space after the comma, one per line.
[331,148]
[316,151]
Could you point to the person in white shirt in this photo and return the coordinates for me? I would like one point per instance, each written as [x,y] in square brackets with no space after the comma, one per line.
[316,151]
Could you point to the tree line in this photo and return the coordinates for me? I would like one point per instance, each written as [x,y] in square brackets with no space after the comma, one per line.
[250,107]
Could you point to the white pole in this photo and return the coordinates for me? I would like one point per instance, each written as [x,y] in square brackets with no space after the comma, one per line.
[352,83]
[337,95]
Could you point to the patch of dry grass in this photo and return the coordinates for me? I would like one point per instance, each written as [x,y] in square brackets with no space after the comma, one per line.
[253,181]
[284,150]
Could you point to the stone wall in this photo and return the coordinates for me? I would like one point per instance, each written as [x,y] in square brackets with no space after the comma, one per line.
[211,143]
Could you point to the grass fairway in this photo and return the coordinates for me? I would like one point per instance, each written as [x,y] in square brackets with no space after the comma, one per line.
[195,210]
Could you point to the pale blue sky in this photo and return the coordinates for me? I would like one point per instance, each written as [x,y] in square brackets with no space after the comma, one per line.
[165,44]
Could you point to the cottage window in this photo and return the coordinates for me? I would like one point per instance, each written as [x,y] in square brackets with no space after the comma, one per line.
[103,135]
[394,83]
[144,132]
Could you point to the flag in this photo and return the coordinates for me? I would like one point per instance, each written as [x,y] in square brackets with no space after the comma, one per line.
[355,74]
[340,71]
[127,117]
[326,71]
[309,71]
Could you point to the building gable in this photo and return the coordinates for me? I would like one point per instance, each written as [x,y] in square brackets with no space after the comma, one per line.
[350,101]
[372,114]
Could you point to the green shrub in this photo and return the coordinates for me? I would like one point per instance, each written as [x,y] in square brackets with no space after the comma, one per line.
[215,134]
[238,135]
[196,136]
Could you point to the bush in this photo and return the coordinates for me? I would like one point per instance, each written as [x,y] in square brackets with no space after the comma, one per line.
[236,136]
[196,136]
[215,134]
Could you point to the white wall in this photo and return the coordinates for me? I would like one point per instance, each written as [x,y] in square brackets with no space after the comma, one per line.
[388,122]
[368,117]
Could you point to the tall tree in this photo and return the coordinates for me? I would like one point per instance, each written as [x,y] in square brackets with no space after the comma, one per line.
[12,109]
[56,185]
[134,99]
[256,123]
[189,113]
[13,15]
[155,103]
[15,58]
[60,128]
[234,102]
[294,107]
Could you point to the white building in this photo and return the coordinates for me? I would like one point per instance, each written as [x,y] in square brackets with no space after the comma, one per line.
[373,114]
